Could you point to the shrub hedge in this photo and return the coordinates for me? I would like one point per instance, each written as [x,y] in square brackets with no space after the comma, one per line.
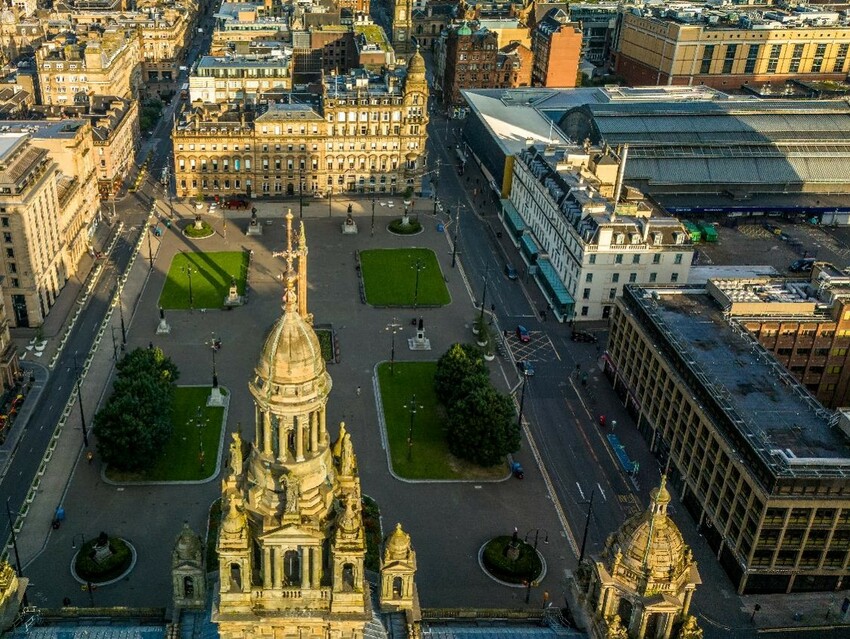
[113,566]
[526,567]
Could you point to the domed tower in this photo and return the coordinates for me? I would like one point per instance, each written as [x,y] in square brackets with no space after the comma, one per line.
[646,576]
[402,25]
[291,544]
[188,576]
[398,569]
[415,118]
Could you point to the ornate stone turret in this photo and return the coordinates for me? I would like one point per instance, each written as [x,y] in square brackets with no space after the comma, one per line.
[398,569]
[292,543]
[12,590]
[645,578]
[188,576]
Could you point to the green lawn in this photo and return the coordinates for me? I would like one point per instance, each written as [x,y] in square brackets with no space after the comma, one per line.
[211,275]
[430,458]
[180,459]
[389,276]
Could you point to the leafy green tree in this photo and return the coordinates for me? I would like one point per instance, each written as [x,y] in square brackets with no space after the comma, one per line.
[456,365]
[135,423]
[482,426]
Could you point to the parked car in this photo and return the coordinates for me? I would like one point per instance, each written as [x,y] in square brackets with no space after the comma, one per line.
[525,367]
[522,334]
[803,265]
[237,203]
[510,271]
[583,336]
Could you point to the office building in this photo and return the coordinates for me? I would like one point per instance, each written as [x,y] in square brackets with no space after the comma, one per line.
[102,61]
[690,45]
[556,47]
[33,247]
[758,462]
[597,28]
[803,323]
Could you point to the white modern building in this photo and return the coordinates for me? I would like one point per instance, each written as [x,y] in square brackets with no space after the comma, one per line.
[572,240]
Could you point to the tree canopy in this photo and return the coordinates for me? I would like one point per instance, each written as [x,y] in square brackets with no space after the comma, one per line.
[482,426]
[135,422]
[458,364]
[481,422]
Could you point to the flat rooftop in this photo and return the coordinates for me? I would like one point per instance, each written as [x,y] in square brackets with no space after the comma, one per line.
[784,425]
[43,128]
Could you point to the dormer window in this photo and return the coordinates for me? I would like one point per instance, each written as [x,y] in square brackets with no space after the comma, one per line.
[657,238]
[679,237]
[635,238]
[620,238]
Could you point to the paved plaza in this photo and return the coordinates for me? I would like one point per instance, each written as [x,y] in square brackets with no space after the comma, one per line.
[448,521]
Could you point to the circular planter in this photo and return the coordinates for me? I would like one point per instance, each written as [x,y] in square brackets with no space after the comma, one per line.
[113,576]
[411,228]
[202,234]
[480,343]
[489,357]
[503,574]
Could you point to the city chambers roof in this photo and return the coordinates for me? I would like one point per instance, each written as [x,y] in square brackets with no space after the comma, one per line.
[766,415]
[750,143]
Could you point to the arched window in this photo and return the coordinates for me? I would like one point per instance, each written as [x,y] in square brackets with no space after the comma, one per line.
[397,586]
[188,587]
[624,611]
[348,577]
[292,568]
[235,577]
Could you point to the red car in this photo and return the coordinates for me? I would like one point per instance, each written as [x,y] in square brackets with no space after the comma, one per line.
[523,334]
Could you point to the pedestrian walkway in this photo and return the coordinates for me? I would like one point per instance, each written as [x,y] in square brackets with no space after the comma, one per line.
[59,471]
[63,311]
[10,444]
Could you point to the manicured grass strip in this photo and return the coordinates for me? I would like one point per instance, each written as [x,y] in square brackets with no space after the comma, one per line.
[180,459]
[211,276]
[430,458]
[389,277]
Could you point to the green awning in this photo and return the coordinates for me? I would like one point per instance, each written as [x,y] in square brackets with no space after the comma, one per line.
[529,247]
[513,220]
[554,286]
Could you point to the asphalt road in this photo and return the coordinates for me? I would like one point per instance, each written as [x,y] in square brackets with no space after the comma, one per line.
[572,448]
[132,209]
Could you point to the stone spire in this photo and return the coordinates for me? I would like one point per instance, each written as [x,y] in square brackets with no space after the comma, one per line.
[302,276]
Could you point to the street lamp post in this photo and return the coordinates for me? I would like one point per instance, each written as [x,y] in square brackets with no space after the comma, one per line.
[436,182]
[114,345]
[373,216]
[18,567]
[330,198]
[536,532]
[393,327]
[121,313]
[213,344]
[522,399]
[188,271]
[586,525]
[484,295]
[150,247]
[200,422]
[301,194]
[412,407]
[80,401]
[457,233]
[418,266]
